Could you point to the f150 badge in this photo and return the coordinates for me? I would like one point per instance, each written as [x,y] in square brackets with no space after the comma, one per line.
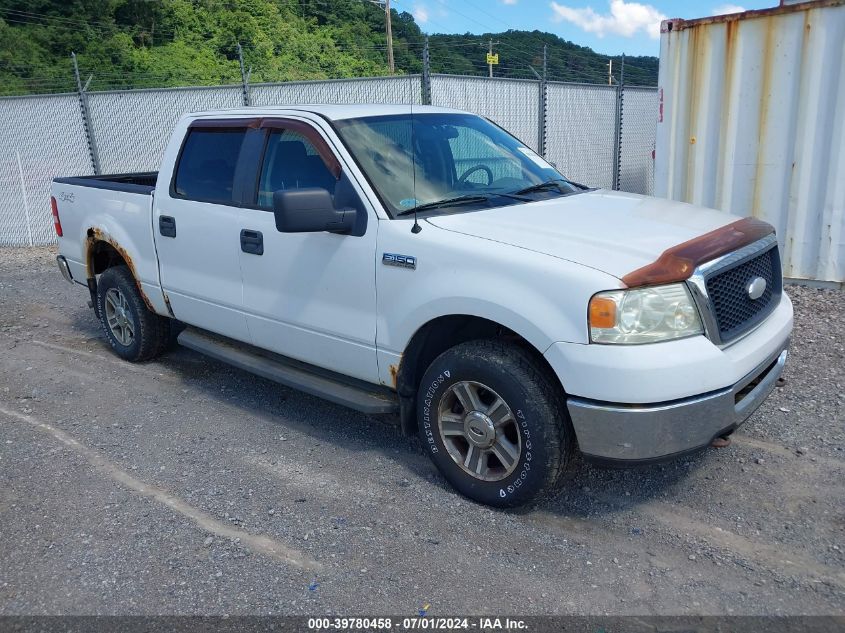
[402,261]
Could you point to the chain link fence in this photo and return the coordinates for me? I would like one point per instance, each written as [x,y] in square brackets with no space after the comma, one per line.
[42,137]
[512,103]
[403,89]
[637,140]
[131,128]
[580,125]
[584,132]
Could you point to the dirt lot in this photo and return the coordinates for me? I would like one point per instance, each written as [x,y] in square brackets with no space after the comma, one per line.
[185,486]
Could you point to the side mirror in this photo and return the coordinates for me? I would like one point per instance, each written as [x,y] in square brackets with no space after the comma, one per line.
[310,210]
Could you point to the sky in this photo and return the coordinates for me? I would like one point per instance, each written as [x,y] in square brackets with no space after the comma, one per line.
[611,27]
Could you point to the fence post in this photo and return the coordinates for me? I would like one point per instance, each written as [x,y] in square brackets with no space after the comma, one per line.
[87,123]
[426,74]
[541,122]
[244,77]
[620,98]
[25,199]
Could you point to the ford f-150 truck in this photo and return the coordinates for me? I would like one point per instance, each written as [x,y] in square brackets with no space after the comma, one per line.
[421,261]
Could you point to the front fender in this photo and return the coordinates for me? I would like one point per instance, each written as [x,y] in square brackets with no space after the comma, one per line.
[543,299]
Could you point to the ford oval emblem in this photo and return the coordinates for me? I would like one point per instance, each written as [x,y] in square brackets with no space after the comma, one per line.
[755,288]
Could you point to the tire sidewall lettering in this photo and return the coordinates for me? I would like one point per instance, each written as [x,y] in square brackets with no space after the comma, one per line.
[427,424]
[526,457]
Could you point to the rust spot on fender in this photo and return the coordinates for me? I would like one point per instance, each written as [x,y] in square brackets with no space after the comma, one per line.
[96,234]
[394,374]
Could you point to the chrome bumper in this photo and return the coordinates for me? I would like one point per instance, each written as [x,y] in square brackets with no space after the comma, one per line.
[621,433]
[64,269]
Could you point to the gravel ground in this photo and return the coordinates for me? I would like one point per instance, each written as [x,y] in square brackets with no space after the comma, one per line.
[185,486]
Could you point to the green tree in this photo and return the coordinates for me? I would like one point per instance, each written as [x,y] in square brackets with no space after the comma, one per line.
[138,43]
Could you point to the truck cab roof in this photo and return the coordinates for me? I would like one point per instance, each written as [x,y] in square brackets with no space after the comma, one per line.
[331,112]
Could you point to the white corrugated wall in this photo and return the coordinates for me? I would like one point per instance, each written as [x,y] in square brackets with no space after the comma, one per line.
[751,120]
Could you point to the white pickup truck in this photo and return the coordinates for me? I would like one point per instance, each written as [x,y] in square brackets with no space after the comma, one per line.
[422,261]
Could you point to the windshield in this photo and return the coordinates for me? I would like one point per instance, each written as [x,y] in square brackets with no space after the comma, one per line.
[446,160]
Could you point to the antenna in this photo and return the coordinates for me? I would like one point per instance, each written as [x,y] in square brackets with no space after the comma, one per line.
[416,228]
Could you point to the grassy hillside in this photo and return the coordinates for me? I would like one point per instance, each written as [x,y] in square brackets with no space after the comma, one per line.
[138,43]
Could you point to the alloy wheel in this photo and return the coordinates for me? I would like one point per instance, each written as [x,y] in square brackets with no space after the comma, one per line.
[119,317]
[479,431]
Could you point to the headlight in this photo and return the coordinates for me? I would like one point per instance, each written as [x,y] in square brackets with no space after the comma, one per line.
[643,315]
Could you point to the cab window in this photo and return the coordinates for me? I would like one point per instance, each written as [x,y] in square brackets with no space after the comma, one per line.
[291,162]
[206,167]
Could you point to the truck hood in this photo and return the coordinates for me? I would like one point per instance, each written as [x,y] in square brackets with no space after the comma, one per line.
[610,231]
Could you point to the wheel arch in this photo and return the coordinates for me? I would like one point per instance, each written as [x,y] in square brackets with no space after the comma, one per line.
[435,337]
[103,255]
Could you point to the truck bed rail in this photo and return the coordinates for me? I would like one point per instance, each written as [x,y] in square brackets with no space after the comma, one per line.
[141,182]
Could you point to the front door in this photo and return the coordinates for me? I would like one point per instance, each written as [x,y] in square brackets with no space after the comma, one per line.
[309,296]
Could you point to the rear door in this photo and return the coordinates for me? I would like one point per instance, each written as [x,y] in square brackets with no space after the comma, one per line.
[197,225]
[309,296]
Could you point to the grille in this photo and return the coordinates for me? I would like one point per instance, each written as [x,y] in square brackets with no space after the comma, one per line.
[734,310]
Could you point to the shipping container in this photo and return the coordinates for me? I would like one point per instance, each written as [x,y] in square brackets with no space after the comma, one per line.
[751,120]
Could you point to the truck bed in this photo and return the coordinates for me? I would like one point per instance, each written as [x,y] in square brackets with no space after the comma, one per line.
[116,209]
[140,182]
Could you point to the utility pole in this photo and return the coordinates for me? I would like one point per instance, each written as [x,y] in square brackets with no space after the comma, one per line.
[491,60]
[610,72]
[389,28]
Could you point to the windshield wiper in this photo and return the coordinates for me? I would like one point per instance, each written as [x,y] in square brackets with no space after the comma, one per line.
[555,183]
[446,202]
[464,199]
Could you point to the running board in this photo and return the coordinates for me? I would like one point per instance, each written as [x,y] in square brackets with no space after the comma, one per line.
[349,392]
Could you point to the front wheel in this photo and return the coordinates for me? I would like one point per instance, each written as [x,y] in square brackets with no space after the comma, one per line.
[494,422]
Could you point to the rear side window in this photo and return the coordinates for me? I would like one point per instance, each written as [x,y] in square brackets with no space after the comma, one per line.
[206,169]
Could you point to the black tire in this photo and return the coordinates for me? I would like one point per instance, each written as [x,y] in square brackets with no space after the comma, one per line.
[150,332]
[494,368]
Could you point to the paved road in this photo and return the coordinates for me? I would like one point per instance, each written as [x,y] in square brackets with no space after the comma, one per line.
[185,486]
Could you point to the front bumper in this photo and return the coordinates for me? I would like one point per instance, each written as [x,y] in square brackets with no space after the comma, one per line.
[620,433]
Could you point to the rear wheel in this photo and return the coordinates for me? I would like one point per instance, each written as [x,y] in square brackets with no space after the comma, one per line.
[494,422]
[134,332]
